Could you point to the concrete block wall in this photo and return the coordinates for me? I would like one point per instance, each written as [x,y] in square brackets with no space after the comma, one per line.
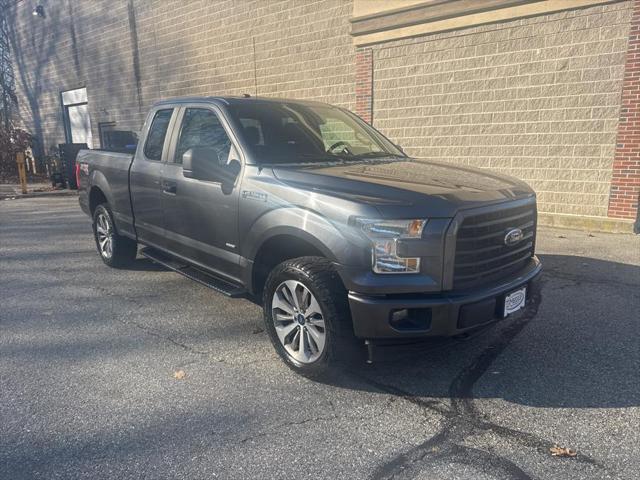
[540,98]
[130,54]
[536,98]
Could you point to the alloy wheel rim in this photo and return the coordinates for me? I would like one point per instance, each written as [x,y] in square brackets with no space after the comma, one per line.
[104,235]
[298,321]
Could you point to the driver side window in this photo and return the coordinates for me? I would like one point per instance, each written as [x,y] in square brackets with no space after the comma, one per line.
[202,128]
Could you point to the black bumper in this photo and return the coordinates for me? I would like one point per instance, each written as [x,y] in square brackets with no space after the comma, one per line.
[83,200]
[443,314]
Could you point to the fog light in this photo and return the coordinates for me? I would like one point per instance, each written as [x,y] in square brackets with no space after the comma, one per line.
[410,319]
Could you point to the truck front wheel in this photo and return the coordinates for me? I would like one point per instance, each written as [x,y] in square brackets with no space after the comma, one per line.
[307,316]
[115,250]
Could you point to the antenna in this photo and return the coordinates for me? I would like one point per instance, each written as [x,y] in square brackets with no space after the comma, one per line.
[255,67]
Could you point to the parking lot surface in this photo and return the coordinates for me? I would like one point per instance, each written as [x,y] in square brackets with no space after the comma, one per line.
[88,356]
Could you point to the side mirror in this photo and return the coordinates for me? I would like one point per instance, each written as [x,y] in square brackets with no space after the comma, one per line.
[201,163]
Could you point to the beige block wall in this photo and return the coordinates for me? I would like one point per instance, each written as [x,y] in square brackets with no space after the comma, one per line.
[197,47]
[536,98]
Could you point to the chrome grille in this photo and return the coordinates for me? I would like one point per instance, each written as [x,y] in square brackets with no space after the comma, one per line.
[481,253]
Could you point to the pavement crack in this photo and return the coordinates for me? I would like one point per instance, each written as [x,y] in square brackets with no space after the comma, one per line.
[144,328]
[161,336]
[462,420]
[274,429]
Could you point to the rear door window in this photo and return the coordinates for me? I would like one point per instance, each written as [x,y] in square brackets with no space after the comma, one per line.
[157,133]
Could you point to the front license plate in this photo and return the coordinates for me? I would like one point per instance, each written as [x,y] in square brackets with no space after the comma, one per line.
[514,301]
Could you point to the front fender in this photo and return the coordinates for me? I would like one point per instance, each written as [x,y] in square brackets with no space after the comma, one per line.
[306,225]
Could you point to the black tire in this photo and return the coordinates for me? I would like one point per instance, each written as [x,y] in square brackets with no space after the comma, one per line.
[319,277]
[123,250]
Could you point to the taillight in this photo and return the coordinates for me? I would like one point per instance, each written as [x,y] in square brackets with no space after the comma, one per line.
[77,175]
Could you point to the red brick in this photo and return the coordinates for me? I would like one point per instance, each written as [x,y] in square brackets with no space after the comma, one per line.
[364,84]
[625,181]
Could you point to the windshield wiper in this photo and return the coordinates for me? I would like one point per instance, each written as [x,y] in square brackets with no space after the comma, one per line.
[333,158]
[377,155]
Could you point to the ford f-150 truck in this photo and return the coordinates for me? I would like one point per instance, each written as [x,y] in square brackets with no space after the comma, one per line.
[343,238]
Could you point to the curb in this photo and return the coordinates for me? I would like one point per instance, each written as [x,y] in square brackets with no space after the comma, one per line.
[593,224]
[57,193]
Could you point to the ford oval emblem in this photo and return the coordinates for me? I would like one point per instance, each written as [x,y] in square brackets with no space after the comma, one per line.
[513,237]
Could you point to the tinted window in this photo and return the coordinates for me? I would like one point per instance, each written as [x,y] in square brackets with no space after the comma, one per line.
[202,128]
[157,133]
[294,132]
[252,130]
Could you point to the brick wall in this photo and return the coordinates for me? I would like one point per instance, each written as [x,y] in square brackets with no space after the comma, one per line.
[364,84]
[130,54]
[625,184]
[537,98]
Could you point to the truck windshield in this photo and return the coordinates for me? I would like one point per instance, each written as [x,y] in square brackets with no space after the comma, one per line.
[301,133]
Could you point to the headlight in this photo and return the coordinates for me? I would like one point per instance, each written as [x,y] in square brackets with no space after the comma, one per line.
[383,234]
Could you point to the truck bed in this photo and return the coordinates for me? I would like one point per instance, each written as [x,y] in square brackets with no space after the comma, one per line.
[110,172]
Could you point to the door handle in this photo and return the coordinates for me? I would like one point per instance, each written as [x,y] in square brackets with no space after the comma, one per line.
[169,187]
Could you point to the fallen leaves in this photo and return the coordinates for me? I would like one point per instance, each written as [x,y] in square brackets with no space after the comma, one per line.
[179,374]
[557,451]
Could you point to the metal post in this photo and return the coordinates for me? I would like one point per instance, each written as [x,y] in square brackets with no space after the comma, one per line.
[370,351]
[22,173]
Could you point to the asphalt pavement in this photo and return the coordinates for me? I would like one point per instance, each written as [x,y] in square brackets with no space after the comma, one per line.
[88,356]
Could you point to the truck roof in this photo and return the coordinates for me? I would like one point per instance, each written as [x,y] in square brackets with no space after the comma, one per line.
[231,100]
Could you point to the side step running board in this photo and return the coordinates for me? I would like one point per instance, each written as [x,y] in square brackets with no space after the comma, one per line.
[193,273]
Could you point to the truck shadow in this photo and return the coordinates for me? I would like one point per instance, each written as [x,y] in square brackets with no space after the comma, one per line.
[576,348]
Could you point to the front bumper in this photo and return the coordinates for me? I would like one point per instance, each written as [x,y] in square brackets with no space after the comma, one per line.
[442,314]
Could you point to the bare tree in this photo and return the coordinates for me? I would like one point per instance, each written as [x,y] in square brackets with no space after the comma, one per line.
[32,51]
[8,98]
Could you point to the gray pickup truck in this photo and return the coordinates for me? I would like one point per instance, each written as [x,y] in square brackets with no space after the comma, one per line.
[344,239]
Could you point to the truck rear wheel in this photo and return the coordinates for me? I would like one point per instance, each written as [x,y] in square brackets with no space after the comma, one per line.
[115,250]
[307,315]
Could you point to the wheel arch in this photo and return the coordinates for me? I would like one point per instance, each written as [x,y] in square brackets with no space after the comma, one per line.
[283,244]
[96,197]
[305,231]
[100,192]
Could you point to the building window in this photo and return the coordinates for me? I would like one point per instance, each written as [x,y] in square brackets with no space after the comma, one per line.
[77,122]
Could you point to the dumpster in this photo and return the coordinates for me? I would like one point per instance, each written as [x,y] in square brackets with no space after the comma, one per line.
[68,154]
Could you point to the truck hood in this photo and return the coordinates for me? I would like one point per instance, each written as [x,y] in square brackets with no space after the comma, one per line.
[407,186]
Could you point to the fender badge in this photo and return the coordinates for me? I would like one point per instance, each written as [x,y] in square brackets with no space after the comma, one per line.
[254,195]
